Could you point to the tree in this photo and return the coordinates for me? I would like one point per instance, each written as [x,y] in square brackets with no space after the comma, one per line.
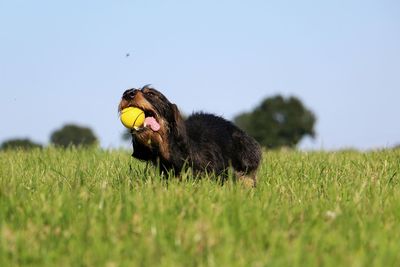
[24,144]
[278,122]
[73,135]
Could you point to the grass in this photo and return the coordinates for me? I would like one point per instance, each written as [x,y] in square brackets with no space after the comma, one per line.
[102,208]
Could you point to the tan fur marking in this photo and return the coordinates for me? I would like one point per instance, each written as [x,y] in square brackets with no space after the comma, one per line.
[248,180]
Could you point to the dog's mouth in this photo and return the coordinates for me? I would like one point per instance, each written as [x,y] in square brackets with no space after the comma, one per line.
[149,113]
[151,121]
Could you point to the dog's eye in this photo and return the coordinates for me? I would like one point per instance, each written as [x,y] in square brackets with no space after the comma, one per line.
[150,93]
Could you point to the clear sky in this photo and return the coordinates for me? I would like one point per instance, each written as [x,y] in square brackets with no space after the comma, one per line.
[65,62]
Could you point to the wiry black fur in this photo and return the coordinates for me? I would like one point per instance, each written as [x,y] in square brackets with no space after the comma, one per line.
[204,142]
[216,143]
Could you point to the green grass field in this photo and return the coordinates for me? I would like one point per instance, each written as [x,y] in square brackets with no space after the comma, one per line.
[101,208]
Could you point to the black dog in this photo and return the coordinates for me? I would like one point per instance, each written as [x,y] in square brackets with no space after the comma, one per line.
[204,142]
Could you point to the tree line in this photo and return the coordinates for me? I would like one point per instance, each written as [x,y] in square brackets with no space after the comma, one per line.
[276,122]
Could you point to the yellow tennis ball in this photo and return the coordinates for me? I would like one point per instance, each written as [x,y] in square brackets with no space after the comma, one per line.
[132,117]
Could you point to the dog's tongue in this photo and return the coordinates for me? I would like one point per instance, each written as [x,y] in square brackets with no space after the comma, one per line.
[151,121]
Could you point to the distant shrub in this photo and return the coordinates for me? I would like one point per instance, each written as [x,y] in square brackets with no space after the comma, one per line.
[24,144]
[73,135]
[278,122]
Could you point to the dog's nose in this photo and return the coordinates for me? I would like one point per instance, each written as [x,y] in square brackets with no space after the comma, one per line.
[130,94]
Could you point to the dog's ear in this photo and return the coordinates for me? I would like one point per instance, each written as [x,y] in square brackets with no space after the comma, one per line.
[178,120]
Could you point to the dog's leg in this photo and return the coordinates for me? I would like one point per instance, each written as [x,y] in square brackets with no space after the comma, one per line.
[249,180]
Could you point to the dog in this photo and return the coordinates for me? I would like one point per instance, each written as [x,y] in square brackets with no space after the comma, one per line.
[204,142]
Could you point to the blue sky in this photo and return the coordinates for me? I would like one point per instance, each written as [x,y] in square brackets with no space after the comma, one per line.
[65,62]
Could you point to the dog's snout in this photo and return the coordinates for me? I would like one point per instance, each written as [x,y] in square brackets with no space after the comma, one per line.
[129,94]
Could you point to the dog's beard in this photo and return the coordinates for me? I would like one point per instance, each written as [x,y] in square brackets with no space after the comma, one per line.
[154,141]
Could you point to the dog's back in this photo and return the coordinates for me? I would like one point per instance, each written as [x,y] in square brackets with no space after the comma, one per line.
[217,143]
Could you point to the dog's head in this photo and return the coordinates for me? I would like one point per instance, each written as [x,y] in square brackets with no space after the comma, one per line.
[167,122]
